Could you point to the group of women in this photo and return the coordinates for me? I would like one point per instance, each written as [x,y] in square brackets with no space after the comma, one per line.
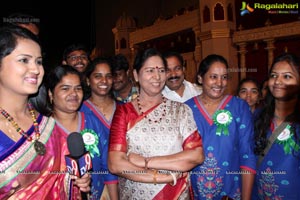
[210,147]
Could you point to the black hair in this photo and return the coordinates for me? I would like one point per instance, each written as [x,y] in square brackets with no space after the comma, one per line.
[119,62]
[262,83]
[208,61]
[91,67]
[99,60]
[142,57]
[247,80]
[42,101]
[169,54]
[9,36]
[264,119]
[74,47]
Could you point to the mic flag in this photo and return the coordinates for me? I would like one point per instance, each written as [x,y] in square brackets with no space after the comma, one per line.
[79,161]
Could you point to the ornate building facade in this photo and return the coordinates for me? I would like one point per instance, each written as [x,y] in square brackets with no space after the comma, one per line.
[214,26]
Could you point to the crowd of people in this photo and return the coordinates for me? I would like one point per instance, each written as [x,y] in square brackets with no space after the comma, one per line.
[150,135]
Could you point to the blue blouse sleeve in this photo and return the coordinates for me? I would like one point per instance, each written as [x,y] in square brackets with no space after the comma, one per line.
[246,140]
[103,135]
[104,139]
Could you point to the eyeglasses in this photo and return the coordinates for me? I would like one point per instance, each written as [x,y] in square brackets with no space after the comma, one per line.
[81,57]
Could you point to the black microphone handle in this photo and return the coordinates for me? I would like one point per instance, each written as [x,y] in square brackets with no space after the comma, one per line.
[76,148]
[84,195]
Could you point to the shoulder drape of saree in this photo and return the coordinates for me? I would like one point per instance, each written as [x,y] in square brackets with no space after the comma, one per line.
[125,118]
[142,116]
[179,191]
[193,141]
[27,175]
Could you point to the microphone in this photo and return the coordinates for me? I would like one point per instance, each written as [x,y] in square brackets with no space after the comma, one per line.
[79,161]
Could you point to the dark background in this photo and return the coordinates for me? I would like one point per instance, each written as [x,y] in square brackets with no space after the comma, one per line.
[91,21]
[88,21]
[61,23]
[144,12]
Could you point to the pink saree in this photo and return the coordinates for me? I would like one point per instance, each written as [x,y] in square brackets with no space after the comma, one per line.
[171,133]
[26,175]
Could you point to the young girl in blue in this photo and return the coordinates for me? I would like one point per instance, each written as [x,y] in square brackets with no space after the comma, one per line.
[278,169]
[101,103]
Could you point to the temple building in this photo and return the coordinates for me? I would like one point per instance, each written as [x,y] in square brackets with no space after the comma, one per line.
[248,37]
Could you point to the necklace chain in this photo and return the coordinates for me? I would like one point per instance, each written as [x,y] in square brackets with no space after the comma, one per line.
[103,109]
[278,117]
[146,116]
[38,146]
[20,130]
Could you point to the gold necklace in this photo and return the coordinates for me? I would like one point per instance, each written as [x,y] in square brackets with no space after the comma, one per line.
[38,146]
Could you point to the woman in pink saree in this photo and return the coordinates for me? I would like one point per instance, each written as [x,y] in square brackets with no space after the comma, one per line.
[32,163]
[154,141]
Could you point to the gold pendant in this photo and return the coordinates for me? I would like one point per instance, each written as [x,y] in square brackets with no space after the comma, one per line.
[39,148]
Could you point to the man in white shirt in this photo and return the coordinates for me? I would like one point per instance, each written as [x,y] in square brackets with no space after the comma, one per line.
[177,88]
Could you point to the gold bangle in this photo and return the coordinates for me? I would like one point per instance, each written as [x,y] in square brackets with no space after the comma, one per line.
[146,162]
[154,176]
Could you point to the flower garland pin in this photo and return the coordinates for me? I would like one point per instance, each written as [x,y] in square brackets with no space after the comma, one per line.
[285,139]
[91,140]
[222,118]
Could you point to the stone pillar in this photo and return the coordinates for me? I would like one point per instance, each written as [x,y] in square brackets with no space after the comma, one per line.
[133,49]
[198,50]
[242,51]
[270,48]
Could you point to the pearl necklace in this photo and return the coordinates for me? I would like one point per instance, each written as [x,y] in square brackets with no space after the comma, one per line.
[38,146]
[146,116]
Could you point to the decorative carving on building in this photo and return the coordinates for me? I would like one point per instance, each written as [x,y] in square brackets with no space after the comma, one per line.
[275,31]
